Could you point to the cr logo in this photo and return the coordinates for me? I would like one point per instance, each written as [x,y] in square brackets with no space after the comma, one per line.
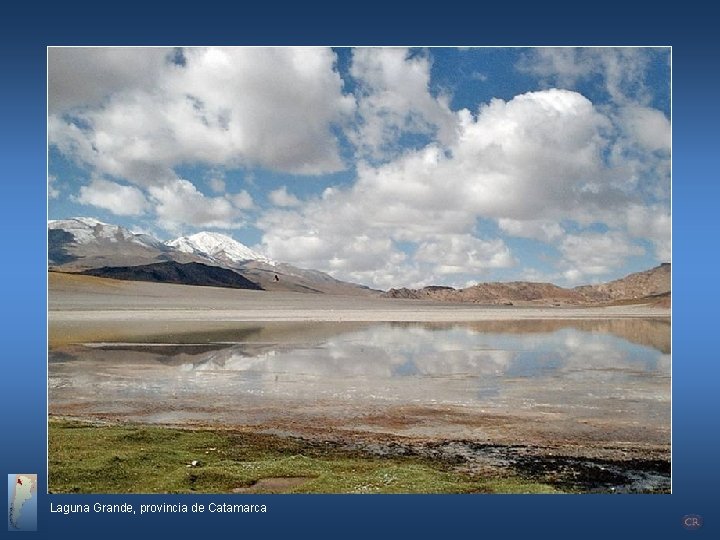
[692,521]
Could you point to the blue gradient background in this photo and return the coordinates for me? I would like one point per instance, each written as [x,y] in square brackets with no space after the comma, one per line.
[688,29]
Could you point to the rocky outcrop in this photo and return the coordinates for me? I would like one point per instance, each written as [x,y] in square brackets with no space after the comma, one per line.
[652,282]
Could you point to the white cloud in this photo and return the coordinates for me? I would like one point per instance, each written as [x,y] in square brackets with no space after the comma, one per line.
[539,229]
[528,162]
[648,127]
[395,98]
[654,224]
[595,254]
[86,76]
[120,200]
[179,203]
[539,276]
[226,107]
[281,197]
[622,69]
[536,156]
[52,189]
[344,244]
[242,200]
[217,184]
[463,254]
[639,155]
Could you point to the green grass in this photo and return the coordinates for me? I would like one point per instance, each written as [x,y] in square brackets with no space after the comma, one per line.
[87,458]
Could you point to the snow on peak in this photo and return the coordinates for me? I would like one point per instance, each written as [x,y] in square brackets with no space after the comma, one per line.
[86,230]
[217,246]
[76,223]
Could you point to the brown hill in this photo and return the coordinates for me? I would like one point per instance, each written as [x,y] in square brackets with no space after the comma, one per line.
[650,285]
[653,282]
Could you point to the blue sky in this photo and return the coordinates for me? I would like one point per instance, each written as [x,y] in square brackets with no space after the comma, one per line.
[385,166]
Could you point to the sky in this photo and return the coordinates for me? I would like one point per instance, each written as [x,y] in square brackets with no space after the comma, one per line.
[390,167]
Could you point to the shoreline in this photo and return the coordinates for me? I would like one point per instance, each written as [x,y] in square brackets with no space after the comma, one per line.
[465,466]
[441,314]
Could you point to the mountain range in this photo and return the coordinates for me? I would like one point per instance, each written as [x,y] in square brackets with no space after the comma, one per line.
[650,286]
[88,246]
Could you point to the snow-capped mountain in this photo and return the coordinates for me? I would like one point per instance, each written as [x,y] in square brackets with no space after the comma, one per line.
[86,230]
[81,244]
[218,247]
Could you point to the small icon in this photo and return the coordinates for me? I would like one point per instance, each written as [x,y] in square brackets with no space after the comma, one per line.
[22,502]
[692,522]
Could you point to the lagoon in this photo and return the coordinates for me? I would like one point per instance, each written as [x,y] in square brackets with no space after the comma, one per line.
[501,381]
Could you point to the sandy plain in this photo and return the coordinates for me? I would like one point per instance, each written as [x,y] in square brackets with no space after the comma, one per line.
[76,301]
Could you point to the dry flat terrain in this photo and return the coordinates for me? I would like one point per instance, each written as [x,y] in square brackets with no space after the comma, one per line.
[87,299]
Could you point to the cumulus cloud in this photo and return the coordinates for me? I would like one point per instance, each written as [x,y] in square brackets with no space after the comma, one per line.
[622,69]
[179,204]
[395,98]
[653,223]
[461,254]
[538,229]
[86,76]
[533,157]
[118,199]
[592,254]
[353,248]
[648,127]
[281,197]
[242,200]
[524,159]
[639,154]
[217,184]
[269,107]
[52,190]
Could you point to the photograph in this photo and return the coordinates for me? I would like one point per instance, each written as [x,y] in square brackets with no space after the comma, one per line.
[358,270]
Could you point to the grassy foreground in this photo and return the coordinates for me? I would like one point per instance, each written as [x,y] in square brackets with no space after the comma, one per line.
[87,458]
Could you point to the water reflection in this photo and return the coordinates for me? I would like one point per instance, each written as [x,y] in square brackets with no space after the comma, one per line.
[607,367]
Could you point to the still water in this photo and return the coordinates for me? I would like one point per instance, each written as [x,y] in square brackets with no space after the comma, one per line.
[576,377]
